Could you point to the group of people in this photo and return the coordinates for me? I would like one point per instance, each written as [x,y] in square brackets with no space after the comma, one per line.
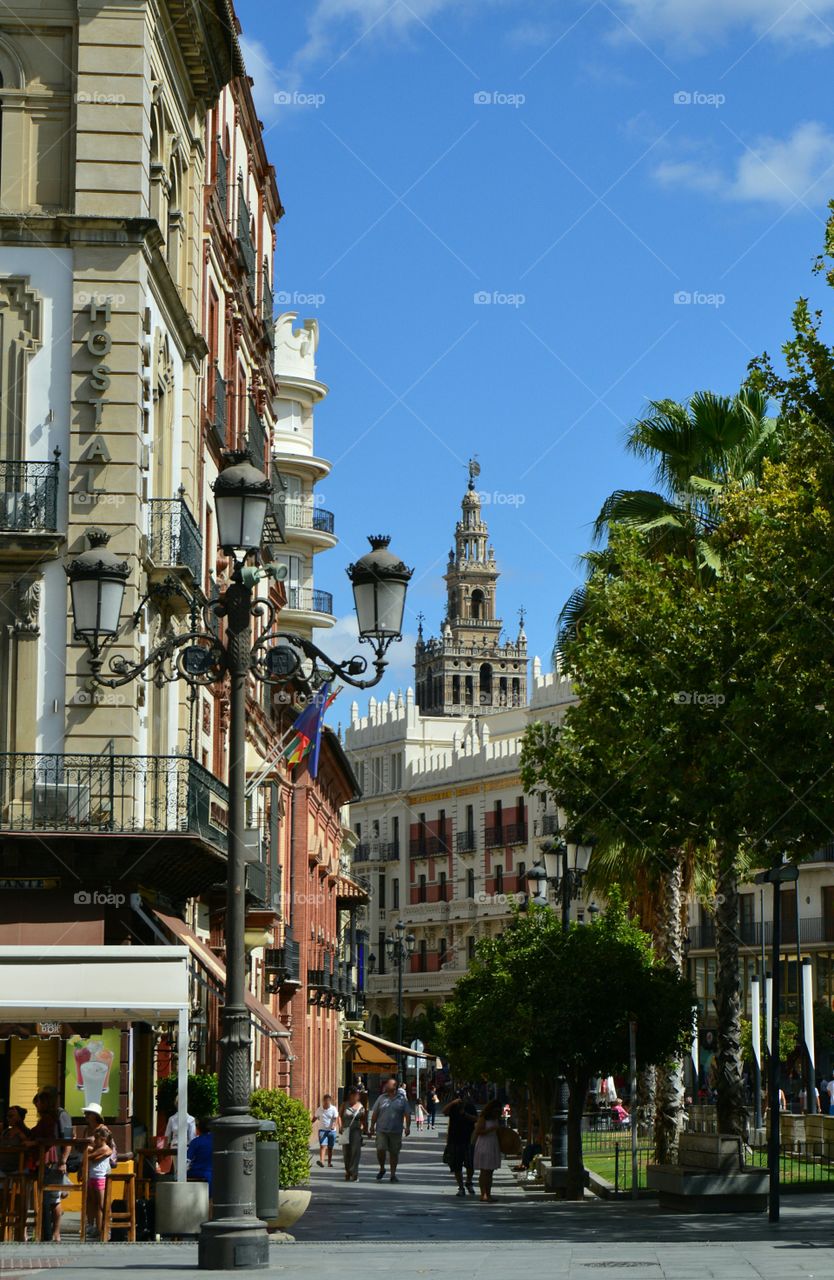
[472,1138]
[63,1153]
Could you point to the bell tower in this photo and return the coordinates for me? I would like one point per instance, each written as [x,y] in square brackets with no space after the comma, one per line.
[467,670]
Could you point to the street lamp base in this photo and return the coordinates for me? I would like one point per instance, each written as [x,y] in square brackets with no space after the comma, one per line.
[233,1244]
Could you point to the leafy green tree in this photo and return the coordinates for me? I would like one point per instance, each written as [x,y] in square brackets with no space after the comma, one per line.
[202,1095]
[788,1039]
[538,998]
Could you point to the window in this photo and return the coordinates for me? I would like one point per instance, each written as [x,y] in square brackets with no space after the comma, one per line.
[424,955]
[358,830]
[469,697]
[747,917]
[396,772]
[395,834]
[470,819]
[443,895]
[499,879]
[521,871]
[381,895]
[441,830]
[477,605]
[498,819]
[520,815]
[485,685]
[421,889]
[293,565]
[421,831]
[456,690]
[289,415]
[375,829]
[442,951]
[380,952]
[470,883]
[395,894]
[470,947]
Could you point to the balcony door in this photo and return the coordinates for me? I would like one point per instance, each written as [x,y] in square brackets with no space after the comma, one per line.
[293,579]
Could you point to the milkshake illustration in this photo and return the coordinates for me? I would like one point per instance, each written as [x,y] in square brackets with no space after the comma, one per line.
[93,1076]
[82,1054]
[105,1056]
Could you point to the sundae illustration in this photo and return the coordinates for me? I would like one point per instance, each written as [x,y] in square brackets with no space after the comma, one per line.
[93,1064]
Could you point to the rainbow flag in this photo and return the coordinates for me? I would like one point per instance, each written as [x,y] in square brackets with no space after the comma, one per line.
[306,732]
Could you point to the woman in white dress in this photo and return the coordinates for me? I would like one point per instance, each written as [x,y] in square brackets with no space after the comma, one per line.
[487,1153]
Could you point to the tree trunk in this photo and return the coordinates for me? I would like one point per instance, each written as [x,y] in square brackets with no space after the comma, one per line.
[732,1115]
[646,1090]
[668,1116]
[578,1086]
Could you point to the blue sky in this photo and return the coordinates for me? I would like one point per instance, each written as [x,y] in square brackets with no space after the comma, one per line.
[639,189]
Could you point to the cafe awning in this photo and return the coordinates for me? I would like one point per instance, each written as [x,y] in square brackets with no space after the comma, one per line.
[366,1050]
[205,957]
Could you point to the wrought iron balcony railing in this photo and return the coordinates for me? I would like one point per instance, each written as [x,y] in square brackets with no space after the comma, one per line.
[812,929]
[256,436]
[507,833]
[174,540]
[376,851]
[221,181]
[300,516]
[112,794]
[268,312]
[28,496]
[314,601]
[275,528]
[466,842]
[550,824]
[245,246]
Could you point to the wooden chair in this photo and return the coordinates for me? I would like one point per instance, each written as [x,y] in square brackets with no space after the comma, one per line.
[15,1188]
[125,1217]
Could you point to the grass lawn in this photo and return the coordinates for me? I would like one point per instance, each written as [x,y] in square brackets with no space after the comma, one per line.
[602,1163]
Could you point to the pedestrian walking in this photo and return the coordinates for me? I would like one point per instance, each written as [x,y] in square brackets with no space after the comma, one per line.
[354,1121]
[487,1153]
[390,1113]
[432,1103]
[327,1117]
[462,1114]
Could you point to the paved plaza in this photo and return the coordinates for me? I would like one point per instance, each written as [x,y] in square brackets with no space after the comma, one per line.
[419,1228]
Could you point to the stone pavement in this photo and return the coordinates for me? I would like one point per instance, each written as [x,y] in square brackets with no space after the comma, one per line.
[419,1228]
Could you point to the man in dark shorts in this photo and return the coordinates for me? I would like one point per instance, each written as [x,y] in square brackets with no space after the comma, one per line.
[462,1114]
[391,1111]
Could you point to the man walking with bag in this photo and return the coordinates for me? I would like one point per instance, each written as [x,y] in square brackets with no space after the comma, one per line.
[391,1111]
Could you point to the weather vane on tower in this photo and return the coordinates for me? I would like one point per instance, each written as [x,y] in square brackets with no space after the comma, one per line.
[474,470]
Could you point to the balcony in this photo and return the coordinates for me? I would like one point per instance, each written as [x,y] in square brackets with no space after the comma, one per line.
[174,540]
[275,528]
[307,518]
[509,833]
[282,966]
[376,851]
[245,245]
[550,824]
[221,177]
[28,510]
[309,600]
[268,314]
[466,842]
[161,820]
[437,846]
[256,436]
[218,407]
[812,929]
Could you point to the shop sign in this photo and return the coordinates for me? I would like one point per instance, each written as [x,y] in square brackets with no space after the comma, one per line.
[22,882]
[48,1028]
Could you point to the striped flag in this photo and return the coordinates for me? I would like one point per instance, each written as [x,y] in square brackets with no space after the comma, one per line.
[306,732]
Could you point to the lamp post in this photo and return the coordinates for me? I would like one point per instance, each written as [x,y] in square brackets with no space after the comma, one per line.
[782,873]
[399,946]
[565,866]
[236,1238]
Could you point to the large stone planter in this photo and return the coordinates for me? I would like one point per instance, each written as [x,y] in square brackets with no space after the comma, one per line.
[292,1203]
[181,1208]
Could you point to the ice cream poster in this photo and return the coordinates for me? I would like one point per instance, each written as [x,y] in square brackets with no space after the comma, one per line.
[92,1073]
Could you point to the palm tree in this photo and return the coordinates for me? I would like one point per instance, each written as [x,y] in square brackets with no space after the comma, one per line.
[697,449]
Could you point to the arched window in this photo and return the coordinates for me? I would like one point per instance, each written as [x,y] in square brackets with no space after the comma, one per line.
[477,605]
[485,684]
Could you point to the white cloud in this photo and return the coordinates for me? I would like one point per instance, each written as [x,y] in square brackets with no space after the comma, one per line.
[342,642]
[772,171]
[698,22]
[268,79]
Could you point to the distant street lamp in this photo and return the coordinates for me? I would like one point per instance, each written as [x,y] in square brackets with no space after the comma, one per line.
[399,946]
[565,866]
[235,1237]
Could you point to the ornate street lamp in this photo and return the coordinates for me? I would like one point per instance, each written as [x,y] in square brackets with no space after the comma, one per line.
[399,946]
[565,866]
[235,1238]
